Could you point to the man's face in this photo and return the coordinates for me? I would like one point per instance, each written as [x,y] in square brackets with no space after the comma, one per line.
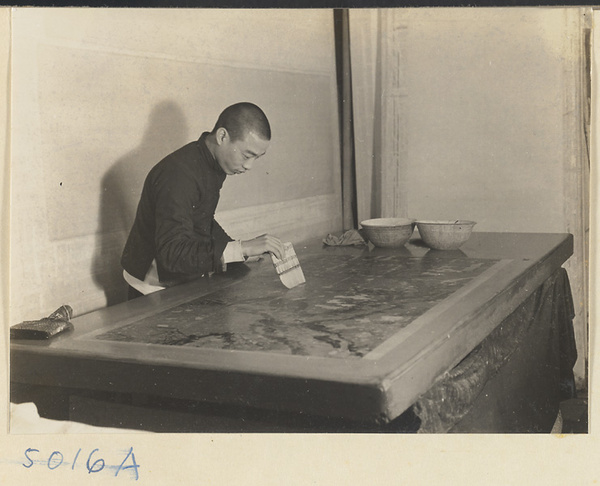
[239,156]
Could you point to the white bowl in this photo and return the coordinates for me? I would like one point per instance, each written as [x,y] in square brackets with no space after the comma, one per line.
[388,232]
[445,235]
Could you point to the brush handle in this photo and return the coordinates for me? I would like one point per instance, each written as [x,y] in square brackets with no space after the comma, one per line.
[64,313]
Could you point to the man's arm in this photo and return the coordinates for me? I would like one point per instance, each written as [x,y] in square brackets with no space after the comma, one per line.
[181,248]
[219,233]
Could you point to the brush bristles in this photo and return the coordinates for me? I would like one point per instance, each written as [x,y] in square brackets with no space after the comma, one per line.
[288,268]
[286,265]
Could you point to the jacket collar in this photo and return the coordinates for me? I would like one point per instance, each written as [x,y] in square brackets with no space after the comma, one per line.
[207,155]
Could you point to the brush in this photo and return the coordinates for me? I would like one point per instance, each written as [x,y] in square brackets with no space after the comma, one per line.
[45,328]
[288,268]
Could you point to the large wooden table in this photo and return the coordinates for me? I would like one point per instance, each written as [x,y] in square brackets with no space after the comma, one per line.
[351,349]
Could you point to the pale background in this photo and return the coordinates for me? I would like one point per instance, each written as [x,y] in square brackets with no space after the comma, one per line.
[248,459]
[466,114]
[102,95]
[480,118]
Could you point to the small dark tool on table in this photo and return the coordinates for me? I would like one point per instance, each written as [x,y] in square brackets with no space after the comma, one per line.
[45,328]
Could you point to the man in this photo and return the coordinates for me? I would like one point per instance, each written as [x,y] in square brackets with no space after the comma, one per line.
[175,237]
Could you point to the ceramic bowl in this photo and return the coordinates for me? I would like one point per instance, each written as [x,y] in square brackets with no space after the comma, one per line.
[388,232]
[445,235]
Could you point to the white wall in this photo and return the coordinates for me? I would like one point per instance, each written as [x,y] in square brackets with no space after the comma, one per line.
[4,196]
[485,99]
[101,95]
[486,118]
[485,112]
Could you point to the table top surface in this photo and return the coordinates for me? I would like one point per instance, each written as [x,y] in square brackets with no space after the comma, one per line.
[371,326]
[351,303]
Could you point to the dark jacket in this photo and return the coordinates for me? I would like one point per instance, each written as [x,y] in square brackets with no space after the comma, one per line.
[175,221]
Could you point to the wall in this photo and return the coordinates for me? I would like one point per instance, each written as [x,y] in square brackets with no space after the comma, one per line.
[100,96]
[4,197]
[486,124]
[476,114]
[594,205]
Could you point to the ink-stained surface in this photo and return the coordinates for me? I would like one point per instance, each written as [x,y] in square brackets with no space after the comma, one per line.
[346,308]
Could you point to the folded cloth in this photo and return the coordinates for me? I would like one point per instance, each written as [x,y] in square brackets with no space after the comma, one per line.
[349,238]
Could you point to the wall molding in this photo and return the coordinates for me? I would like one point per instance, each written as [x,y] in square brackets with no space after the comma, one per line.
[298,219]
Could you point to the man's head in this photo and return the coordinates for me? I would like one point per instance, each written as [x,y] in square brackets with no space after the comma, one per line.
[240,136]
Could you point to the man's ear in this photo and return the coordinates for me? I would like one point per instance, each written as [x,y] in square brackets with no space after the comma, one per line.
[221,135]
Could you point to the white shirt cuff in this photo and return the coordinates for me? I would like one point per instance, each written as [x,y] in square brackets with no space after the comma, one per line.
[233,252]
[142,286]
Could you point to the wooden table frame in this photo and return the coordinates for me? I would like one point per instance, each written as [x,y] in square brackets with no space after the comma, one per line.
[376,388]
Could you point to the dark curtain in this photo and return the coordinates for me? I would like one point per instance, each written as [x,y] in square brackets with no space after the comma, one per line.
[344,82]
[545,317]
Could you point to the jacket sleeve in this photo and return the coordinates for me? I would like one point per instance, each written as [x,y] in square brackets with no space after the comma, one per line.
[188,240]
[220,235]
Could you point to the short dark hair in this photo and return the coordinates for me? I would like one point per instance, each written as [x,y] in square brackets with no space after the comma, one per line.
[241,118]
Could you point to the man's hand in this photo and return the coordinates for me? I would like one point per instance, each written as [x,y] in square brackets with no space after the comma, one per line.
[263,244]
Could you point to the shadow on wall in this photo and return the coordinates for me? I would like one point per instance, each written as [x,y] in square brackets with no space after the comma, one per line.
[120,189]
